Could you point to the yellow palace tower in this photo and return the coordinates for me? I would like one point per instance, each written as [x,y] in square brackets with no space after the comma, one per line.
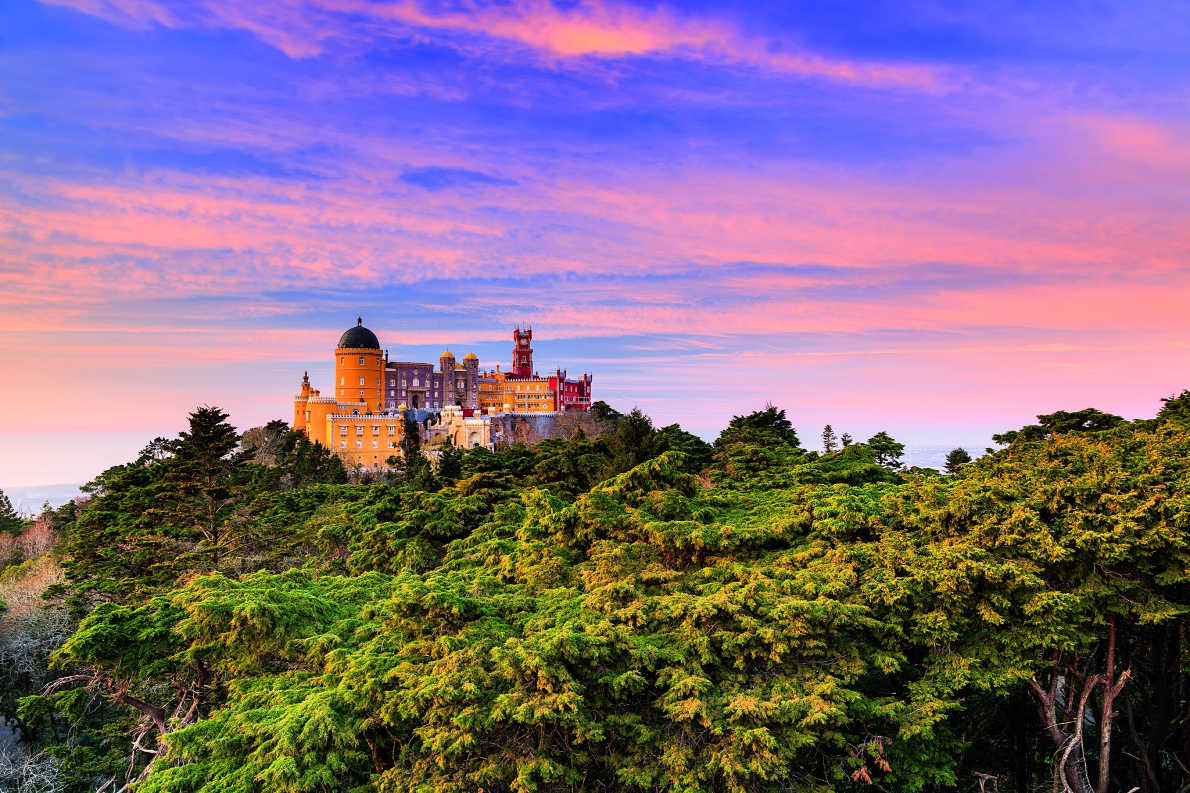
[359,368]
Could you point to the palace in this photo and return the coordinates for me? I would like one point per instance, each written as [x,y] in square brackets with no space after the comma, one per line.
[522,390]
[363,420]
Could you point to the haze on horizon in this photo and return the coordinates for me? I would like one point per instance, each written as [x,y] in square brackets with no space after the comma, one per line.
[893,216]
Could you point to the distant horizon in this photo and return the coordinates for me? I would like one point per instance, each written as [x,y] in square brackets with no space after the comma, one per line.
[929,456]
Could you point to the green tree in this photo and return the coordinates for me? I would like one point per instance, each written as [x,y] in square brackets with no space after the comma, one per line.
[767,427]
[450,462]
[956,459]
[124,544]
[10,521]
[699,454]
[635,441]
[417,471]
[605,413]
[1175,408]
[829,441]
[1050,424]
[155,451]
[201,474]
[886,450]
[311,463]
[1077,553]
[153,522]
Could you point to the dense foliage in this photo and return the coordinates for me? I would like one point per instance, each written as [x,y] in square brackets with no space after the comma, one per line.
[638,610]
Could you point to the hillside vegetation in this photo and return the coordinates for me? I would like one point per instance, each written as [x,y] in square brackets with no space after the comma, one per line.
[636,611]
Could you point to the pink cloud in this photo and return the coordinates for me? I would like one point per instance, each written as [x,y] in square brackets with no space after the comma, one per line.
[595,28]
[129,13]
[1156,146]
[136,237]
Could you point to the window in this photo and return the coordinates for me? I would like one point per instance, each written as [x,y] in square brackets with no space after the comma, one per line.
[392,445]
[342,360]
[359,444]
[341,380]
[361,381]
[375,444]
[391,392]
[361,360]
[375,429]
[359,429]
[392,429]
[342,444]
[343,430]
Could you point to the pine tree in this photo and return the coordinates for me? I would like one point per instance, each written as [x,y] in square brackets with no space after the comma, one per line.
[886,450]
[846,439]
[956,459]
[829,441]
[201,473]
[10,521]
[636,440]
[768,427]
[311,463]
[411,457]
[450,463]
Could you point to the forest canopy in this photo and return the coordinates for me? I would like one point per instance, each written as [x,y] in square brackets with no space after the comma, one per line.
[633,610]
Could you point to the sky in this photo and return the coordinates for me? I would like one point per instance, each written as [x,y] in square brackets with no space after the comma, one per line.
[930,218]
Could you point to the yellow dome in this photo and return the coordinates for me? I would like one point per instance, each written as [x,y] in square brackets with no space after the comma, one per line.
[447,354]
[470,357]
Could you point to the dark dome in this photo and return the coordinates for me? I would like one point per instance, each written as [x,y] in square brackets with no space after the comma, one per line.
[359,337]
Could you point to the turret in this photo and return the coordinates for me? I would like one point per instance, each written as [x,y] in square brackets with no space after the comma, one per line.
[359,367]
[446,365]
[299,403]
[522,352]
[471,368]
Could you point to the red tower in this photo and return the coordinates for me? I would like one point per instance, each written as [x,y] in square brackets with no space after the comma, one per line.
[522,352]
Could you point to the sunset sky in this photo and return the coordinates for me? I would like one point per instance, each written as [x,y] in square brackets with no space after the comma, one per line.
[894,215]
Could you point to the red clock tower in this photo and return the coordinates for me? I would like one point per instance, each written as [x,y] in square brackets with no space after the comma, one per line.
[522,352]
